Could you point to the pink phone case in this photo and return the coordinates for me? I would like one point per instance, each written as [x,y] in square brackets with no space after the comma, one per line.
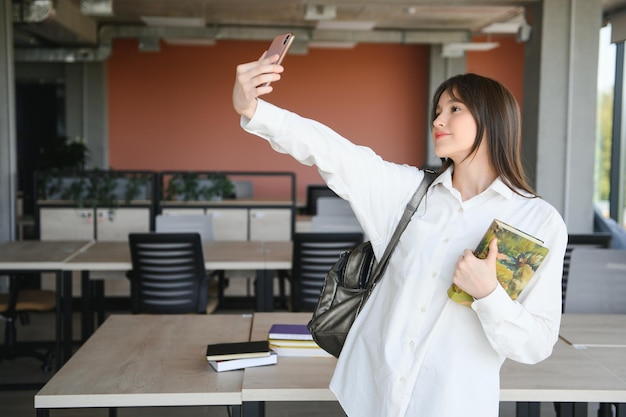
[280,45]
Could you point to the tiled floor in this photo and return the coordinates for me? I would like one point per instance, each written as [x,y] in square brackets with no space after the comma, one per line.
[20,403]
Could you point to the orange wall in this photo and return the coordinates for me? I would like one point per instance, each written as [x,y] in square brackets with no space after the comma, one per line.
[171,110]
[504,63]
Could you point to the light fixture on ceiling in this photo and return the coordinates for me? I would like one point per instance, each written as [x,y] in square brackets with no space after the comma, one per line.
[457,49]
[320,12]
[510,26]
[96,7]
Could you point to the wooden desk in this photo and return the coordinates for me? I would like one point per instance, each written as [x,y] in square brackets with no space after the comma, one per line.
[149,361]
[569,375]
[601,338]
[264,257]
[286,381]
[594,330]
[47,256]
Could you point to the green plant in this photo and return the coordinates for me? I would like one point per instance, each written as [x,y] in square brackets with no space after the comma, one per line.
[95,188]
[62,154]
[192,186]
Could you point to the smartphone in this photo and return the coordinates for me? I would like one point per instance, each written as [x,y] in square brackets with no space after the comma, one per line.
[280,45]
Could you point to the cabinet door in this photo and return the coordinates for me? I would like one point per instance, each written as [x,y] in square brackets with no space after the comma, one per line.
[181,211]
[122,221]
[66,223]
[229,224]
[270,224]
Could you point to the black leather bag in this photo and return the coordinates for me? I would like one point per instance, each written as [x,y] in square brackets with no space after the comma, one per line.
[351,280]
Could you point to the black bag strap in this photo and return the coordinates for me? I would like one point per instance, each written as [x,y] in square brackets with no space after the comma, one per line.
[409,210]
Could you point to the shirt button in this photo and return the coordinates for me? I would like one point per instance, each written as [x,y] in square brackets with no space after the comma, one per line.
[434,275]
[460,210]
[402,380]
[412,344]
[446,240]
[423,309]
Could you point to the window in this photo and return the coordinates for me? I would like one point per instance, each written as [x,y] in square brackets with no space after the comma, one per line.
[608,189]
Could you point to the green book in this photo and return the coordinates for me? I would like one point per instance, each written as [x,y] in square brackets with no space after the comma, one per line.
[520,254]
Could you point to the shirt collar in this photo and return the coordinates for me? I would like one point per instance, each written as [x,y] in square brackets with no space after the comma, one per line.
[497,186]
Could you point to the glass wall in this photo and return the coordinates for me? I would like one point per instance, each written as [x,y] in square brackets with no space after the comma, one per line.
[609,175]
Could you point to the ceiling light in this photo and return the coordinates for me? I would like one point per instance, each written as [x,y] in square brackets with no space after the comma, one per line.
[501,27]
[173,21]
[320,12]
[456,49]
[96,7]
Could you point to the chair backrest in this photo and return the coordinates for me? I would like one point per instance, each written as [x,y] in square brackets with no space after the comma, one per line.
[186,223]
[335,224]
[168,275]
[584,240]
[313,256]
[597,281]
[313,192]
[333,206]
[243,189]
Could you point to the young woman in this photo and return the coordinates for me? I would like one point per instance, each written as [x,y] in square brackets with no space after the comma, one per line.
[412,351]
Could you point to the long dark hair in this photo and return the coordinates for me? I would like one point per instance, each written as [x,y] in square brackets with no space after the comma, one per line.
[497,117]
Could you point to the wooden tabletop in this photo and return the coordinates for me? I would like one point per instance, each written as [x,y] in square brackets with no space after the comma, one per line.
[292,378]
[38,255]
[149,360]
[608,330]
[569,375]
[115,256]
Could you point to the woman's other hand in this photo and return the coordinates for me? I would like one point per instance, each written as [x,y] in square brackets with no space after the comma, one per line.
[475,276]
[250,83]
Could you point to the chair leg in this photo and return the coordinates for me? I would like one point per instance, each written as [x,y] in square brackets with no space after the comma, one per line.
[605,410]
[282,278]
[11,350]
[9,338]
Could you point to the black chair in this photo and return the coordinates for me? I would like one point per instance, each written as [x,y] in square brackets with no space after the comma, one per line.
[585,240]
[168,275]
[313,256]
[313,192]
[17,304]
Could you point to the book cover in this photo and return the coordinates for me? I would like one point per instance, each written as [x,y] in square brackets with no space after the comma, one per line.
[300,351]
[292,342]
[233,364]
[520,254]
[224,351]
[290,331]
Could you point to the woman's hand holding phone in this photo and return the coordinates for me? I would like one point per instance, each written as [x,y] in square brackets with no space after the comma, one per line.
[253,79]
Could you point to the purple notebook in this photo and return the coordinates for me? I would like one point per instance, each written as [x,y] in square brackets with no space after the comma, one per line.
[290,331]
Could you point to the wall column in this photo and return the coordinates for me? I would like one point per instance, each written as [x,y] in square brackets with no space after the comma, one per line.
[560,99]
[440,70]
[8,153]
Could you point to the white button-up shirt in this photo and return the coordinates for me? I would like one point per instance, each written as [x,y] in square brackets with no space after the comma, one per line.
[412,351]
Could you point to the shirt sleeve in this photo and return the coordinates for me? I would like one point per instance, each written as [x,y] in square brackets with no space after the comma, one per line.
[376,189]
[526,330]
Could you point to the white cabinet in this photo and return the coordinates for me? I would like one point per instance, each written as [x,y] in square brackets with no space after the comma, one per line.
[230,224]
[66,223]
[270,224]
[124,220]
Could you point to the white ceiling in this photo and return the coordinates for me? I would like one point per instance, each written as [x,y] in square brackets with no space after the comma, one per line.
[79,22]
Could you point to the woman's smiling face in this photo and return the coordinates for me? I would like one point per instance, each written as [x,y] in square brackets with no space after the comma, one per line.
[454,129]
